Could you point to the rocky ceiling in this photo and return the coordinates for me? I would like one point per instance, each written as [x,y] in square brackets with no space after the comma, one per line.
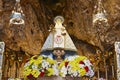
[39,15]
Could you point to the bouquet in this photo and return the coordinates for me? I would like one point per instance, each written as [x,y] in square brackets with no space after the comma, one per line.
[39,66]
[76,66]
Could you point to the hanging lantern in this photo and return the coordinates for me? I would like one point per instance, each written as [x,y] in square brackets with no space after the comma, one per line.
[17,16]
[99,13]
[99,17]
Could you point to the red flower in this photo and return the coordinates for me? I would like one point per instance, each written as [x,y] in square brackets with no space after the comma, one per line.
[86,68]
[66,63]
[30,76]
[81,62]
[41,74]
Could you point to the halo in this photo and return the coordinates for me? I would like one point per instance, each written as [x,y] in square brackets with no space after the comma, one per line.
[17,0]
[59,17]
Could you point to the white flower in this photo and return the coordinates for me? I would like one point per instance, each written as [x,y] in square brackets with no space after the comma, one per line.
[34,66]
[42,70]
[75,73]
[87,62]
[69,71]
[81,65]
[64,71]
[27,64]
[56,71]
[45,64]
[90,73]
[63,75]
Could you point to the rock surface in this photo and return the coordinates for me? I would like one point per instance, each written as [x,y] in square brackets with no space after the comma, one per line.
[39,16]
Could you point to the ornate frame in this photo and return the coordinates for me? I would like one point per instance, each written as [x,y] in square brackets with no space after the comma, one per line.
[2,46]
[117,50]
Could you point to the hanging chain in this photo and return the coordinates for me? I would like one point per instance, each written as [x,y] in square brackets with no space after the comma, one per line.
[17,7]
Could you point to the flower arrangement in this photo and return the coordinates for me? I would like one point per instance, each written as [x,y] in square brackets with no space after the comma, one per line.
[76,66]
[39,66]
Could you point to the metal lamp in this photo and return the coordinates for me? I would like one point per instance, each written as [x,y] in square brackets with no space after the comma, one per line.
[17,18]
[99,17]
[99,13]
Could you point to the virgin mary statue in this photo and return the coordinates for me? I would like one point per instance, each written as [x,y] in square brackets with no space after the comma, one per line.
[58,44]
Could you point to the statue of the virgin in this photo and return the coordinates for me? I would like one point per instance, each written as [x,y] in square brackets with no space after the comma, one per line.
[58,44]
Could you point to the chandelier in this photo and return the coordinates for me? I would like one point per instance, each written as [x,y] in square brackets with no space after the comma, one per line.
[17,16]
[99,13]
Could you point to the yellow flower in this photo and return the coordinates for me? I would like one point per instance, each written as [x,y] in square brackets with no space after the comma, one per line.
[40,58]
[61,74]
[34,57]
[80,58]
[35,73]
[75,68]
[26,68]
[50,61]
[50,71]
[32,61]
[61,65]
[82,72]
[73,63]
[36,62]
[27,71]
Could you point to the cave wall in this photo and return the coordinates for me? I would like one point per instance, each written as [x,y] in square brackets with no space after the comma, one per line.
[39,16]
[29,37]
